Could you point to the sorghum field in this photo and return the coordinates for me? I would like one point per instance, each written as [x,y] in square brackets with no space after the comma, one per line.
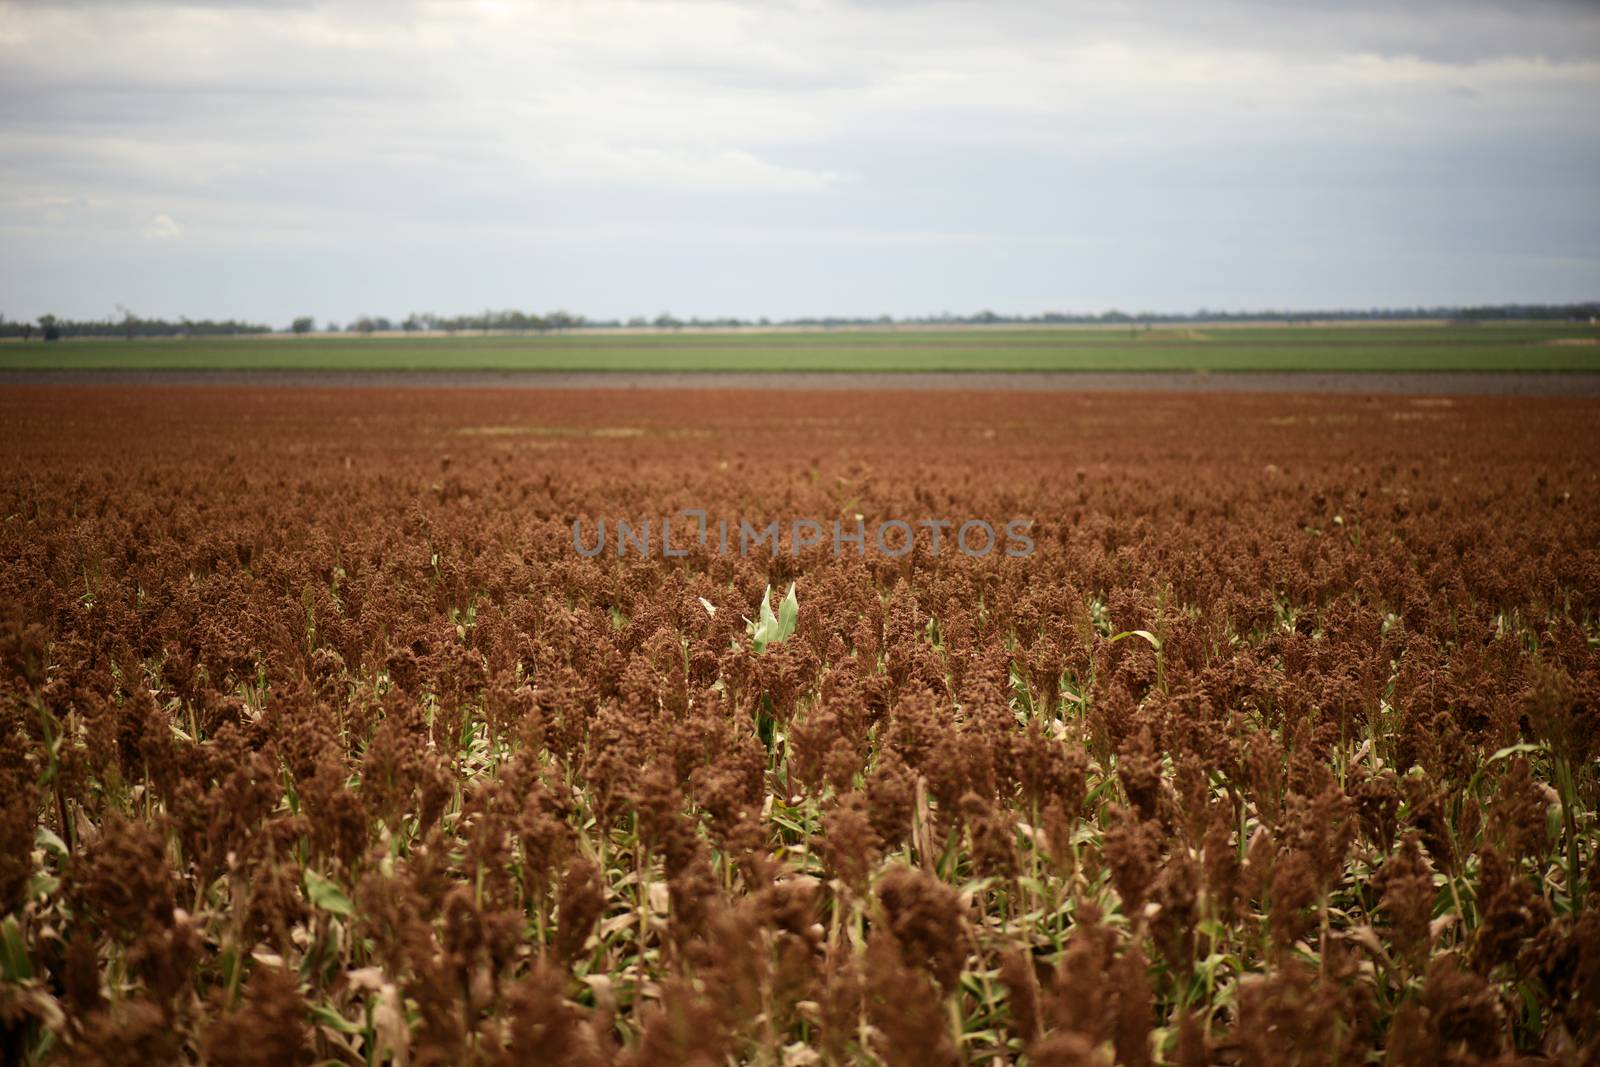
[321,743]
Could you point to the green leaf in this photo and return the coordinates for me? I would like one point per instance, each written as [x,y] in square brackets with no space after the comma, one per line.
[769,628]
[14,963]
[788,614]
[325,894]
[47,839]
[328,1017]
[975,886]
[1036,886]
[1513,750]
[42,884]
[1155,642]
[1525,748]
[790,824]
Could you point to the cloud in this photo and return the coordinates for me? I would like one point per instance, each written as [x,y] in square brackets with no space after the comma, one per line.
[696,169]
[162,228]
[609,150]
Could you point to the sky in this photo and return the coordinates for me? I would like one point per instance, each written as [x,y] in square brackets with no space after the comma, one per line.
[791,158]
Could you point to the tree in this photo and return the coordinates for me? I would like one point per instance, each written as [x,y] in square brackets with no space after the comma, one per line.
[364,325]
[303,324]
[48,327]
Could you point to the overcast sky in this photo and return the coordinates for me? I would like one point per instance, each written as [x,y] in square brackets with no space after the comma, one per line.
[776,158]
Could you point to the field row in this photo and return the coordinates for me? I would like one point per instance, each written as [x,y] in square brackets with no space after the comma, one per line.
[1288,349]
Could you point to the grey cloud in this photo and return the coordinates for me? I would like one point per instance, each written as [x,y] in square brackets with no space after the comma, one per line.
[1446,31]
[779,158]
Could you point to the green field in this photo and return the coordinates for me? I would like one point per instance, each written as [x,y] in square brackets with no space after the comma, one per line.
[1291,348]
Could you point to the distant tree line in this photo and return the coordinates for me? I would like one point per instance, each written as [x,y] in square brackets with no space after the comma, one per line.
[1582,312]
[129,327]
[483,322]
[523,322]
[132,327]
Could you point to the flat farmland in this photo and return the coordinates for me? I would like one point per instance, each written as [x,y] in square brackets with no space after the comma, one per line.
[1341,349]
[324,741]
